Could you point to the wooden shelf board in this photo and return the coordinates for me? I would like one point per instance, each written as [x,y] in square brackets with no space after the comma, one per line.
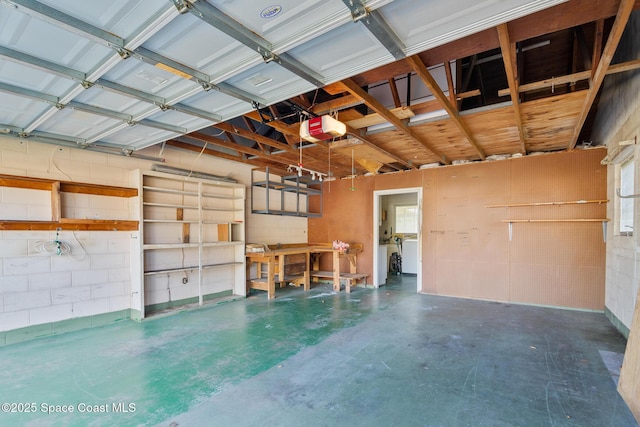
[170,221]
[66,186]
[147,246]
[573,202]
[72,224]
[558,220]
[168,205]
[99,190]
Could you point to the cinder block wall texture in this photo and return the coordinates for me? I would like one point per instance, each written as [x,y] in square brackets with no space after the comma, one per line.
[94,279]
[618,119]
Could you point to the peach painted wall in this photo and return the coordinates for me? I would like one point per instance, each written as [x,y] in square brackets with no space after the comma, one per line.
[466,247]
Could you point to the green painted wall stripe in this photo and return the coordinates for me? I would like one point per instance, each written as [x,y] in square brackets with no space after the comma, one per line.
[55,328]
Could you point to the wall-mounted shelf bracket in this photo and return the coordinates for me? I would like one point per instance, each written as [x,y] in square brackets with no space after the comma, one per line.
[629,196]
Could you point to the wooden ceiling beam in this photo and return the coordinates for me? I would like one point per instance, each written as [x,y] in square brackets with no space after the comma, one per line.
[597,43]
[253,136]
[450,85]
[426,77]
[283,128]
[509,57]
[394,92]
[290,132]
[572,78]
[624,66]
[289,136]
[562,16]
[360,135]
[565,15]
[375,105]
[249,124]
[622,17]
[587,56]
[280,162]
[199,136]
[208,151]
[342,103]
[547,83]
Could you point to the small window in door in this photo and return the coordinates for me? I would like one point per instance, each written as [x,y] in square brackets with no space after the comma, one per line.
[406,219]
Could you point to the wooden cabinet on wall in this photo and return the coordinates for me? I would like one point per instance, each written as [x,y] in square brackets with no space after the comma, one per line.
[190,247]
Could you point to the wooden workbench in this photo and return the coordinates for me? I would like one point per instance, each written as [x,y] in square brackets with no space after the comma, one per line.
[276,262]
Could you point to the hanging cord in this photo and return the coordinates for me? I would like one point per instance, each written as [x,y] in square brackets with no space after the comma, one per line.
[53,162]
[58,247]
[329,169]
[200,154]
[315,96]
[52,247]
[300,147]
[353,172]
[196,159]
[84,253]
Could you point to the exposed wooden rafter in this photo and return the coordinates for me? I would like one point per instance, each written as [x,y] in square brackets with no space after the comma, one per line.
[559,48]
[597,44]
[254,136]
[362,137]
[199,136]
[450,85]
[375,105]
[622,17]
[190,147]
[394,92]
[573,78]
[431,83]
[509,57]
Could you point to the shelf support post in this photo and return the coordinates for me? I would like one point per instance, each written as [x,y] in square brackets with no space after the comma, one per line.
[56,206]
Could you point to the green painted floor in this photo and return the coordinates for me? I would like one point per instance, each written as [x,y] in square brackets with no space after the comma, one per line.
[385,357]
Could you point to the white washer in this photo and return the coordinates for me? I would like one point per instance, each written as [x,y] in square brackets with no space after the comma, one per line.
[382,265]
[410,256]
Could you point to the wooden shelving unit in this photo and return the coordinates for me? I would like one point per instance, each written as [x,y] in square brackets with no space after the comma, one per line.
[191,243]
[58,222]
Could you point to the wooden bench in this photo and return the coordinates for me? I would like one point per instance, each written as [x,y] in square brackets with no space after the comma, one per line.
[350,279]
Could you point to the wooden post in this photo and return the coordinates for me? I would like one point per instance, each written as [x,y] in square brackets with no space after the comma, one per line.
[336,271]
[186,233]
[56,206]
[629,383]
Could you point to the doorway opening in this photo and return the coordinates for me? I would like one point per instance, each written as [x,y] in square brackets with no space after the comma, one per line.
[397,234]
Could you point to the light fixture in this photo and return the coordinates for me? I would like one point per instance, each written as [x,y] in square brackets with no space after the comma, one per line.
[299,170]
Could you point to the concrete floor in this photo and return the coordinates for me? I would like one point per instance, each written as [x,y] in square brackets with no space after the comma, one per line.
[385,357]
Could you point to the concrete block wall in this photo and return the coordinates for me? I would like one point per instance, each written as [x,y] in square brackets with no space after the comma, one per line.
[618,119]
[95,279]
[39,288]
